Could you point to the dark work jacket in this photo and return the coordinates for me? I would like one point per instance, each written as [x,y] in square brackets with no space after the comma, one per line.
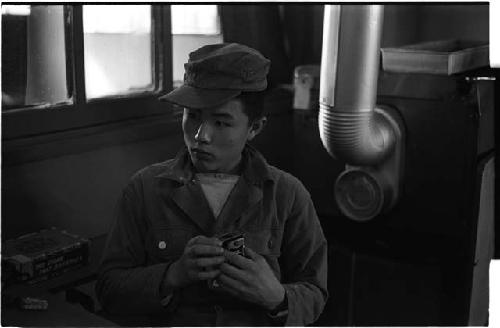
[163,207]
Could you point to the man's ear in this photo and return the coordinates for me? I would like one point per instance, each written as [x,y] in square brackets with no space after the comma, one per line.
[256,127]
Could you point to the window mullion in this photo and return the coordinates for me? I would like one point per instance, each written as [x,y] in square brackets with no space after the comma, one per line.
[78,56]
[163,47]
[167,49]
[68,42]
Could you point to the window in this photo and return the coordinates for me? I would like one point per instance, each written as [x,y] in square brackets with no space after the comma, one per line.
[195,19]
[34,63]
[193,26]
[118,53]
[67,67]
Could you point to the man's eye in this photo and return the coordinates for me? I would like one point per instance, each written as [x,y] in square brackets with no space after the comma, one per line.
[222,124]
[192,115]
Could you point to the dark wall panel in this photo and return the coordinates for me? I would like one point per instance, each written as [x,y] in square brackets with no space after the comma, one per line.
[407,24]
[467,22]
[75,192]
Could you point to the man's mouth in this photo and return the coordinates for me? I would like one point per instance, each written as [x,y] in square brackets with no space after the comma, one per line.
[201,154]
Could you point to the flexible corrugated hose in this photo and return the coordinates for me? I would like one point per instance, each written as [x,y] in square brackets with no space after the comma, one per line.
[350,129]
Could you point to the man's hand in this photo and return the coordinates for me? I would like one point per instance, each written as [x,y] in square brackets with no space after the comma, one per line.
[200,261]
[251,279]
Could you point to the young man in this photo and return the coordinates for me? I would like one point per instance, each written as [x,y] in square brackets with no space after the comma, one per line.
[164,257]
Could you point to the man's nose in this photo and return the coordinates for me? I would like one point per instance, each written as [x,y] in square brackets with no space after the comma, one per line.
[204,133]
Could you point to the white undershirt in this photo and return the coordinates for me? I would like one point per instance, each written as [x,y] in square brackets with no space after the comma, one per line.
[217,187]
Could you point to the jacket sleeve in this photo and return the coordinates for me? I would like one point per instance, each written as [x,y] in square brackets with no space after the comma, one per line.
[304,262]
[125,284]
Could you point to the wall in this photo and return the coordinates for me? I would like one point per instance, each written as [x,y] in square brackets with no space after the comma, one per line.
[467,22]
[407,24]
[400,25]
[75,192]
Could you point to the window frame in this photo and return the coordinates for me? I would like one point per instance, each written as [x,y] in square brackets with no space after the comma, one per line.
[83,114]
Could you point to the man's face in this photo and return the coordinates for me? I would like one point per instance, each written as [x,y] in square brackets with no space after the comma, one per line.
[215,137]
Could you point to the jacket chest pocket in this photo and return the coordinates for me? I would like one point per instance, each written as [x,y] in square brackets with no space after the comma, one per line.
[265,242]
[170,243]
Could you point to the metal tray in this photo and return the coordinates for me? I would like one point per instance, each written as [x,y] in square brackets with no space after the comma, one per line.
[445,57]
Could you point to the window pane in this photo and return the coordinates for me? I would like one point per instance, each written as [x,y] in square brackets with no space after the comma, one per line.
[195,19]
[33,56]
[193,26]
[118,49]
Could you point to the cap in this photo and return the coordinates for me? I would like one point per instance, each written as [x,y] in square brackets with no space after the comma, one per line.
[216,73]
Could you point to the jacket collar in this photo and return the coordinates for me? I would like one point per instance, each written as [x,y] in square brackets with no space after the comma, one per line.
[180,169]
[188,195]
[255,169]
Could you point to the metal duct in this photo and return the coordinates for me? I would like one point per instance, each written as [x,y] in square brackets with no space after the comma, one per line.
[350,129]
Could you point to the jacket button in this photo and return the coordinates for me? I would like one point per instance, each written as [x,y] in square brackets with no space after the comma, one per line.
[270,243]
[162,245]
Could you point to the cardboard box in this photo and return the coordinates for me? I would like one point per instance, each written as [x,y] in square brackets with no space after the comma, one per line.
[45,254]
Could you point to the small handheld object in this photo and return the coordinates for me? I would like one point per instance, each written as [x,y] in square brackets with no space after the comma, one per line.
[233,242]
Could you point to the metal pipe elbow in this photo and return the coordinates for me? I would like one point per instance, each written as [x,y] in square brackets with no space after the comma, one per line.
[350,127]
[358,138]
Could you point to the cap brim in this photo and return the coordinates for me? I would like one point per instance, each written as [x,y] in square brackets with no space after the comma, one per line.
[190,97]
